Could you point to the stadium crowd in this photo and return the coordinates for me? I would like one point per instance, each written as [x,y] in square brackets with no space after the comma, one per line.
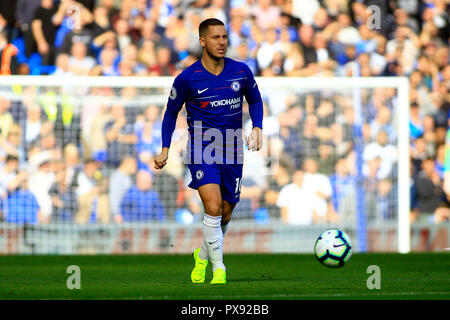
[58,165]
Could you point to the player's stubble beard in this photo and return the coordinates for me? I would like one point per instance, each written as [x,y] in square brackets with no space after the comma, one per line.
[210,55]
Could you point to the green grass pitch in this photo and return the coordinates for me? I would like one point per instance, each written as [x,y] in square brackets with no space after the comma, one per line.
[250,276]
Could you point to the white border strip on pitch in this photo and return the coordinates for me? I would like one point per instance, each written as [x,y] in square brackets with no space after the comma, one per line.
[270,296]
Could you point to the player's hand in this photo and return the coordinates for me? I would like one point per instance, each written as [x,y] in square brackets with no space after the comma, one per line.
[254,140]
[161,159]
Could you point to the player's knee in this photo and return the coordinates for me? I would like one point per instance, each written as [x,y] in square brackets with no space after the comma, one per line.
[213,209]
[227,212]
[226,217]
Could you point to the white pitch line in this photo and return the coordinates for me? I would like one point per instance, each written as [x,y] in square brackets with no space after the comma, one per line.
[317,295]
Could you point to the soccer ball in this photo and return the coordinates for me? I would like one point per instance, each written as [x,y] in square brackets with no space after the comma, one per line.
[333,248]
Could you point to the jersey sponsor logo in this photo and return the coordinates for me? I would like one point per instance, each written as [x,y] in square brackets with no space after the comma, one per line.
[199,174]
[225,102]
[235,86]
[173,93]
[201,91]
[233,103]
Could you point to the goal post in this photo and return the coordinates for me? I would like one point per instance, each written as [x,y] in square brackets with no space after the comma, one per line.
[403,164]
[253,224]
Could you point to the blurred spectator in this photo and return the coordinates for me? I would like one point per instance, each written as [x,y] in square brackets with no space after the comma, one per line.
[443,212]
[378,61]
[268,48]
[39,184]
[22,206]
[148,145]
[44,31]
[216,9]
[386,201]
[415,121]
[242,54]
[107,63]
[24,14]
[320,191]
[10,178]
[327,159]
[344,192]
[383,150]
[122,29]
[382,122]
[149,32]
[141,203]
[169,190]
[305,10]
[403,49]
[79,62]
[110,6]
[295,203]
[428,190]
[72,165]
[163,66]
[8,56]
[279,179]
[249,200]
[129,61]
[418,153]
[12,144]
[74,19]
[147,54]
[288,132]
[120,137]
[266,14]
[62,65]
[308,139]
[93,203]
[440,160]
[33,123]
[64,201]
[306,38]
[96,132]
[119,183]
[101,22]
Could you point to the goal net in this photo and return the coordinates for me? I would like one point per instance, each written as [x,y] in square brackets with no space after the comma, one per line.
[77,176]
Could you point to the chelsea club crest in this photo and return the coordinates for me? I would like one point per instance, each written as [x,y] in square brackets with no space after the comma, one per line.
[199,174]
[235,86]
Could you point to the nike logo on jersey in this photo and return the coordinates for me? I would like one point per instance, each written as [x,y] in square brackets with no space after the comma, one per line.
[201,91]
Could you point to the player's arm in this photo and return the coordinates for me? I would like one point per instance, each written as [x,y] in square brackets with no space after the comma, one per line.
[175,102]
[255,107]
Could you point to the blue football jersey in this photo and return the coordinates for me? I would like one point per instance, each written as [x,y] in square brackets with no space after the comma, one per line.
[214,101]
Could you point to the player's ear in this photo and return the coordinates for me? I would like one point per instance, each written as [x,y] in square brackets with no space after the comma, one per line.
[202,41]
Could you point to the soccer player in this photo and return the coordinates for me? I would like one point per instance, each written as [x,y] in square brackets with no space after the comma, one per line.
[212,89]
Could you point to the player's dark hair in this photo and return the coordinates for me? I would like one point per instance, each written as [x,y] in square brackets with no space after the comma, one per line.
[204,25]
